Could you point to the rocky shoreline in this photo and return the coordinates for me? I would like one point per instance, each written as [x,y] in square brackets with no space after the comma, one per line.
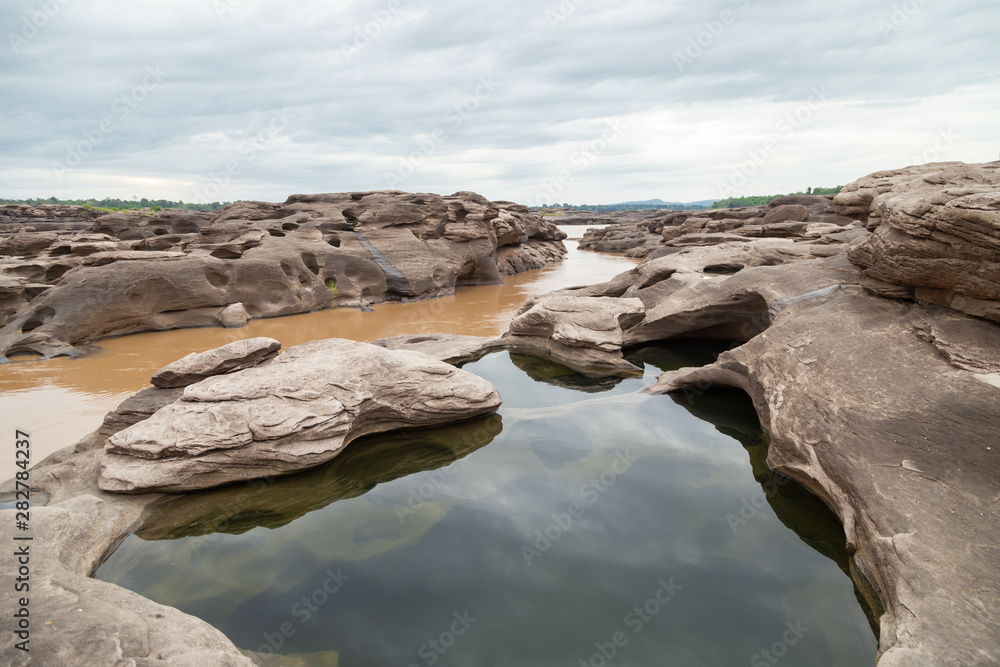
[867,331]
[70,276]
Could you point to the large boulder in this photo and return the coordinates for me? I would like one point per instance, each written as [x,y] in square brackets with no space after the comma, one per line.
[297,412]
[936,235]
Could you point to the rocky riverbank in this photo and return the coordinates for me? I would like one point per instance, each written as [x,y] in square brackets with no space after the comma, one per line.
[868,324]
[865,329]
[70,276]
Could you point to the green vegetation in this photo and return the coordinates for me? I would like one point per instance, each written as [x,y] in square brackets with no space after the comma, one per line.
[764,200]
[110,204]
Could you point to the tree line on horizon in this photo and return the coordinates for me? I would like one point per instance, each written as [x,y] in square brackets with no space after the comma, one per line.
[764,200]
[112,204]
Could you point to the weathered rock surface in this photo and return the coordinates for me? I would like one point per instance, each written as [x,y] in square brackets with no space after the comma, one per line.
[69,277]
[936,235]
[294,413]
[585,334]
[229,358]
[805,217]
[887,410]
[449,348]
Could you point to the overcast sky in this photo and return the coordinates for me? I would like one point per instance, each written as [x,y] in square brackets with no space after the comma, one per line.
[587,101]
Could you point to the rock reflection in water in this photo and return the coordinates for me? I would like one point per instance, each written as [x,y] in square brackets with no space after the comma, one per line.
[365,463]
[731,412]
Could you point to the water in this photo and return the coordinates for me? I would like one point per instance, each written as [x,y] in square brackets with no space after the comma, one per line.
[584,520]
[61,400]
[387,554]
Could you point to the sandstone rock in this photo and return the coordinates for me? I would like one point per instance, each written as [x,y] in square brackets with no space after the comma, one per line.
[229,358]
[123,273]
[90,622]
[584,333]
[807,217]
[936,235]
[297,412]
[886,410]
[450,348]
[234,316]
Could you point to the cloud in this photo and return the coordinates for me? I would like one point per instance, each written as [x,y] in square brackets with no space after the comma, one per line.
[698,87]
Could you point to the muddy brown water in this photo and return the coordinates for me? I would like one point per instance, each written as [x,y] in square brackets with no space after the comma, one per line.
[61,400]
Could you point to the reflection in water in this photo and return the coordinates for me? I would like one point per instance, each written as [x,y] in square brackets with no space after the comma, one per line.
[272,503]
[550,538]
[732,413]
[61,400]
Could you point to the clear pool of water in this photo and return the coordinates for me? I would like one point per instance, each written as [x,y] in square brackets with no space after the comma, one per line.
[584,524]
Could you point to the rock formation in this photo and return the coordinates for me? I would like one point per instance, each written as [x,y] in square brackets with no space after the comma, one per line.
[886,409]
[70,276]
[796,216]
[76,525]
[293,413]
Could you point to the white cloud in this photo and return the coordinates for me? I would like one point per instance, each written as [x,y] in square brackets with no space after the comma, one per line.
[366,82]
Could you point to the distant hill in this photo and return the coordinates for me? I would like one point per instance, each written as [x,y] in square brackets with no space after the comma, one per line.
[645,205]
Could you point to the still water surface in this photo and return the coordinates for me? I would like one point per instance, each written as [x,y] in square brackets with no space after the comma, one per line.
[580,515]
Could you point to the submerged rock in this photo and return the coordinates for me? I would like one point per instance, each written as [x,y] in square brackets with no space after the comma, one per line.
[295,413]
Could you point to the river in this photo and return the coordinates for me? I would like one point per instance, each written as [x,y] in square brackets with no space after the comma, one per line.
[61,400]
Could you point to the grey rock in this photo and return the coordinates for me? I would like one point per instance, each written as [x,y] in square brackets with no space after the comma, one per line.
[234,316]
[295,413]
[126,272]
[229,358]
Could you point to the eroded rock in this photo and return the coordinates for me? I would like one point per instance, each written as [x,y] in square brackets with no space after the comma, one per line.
[72,278]
[295,413]
[229,358]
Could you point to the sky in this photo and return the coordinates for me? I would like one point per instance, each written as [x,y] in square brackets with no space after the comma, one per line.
[578,101]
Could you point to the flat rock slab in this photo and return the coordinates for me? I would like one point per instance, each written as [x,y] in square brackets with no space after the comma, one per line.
[229,358]
[295,413]
[451,348]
